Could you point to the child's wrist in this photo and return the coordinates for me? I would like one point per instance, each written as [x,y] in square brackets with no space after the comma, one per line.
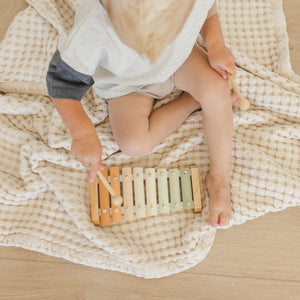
[81,129]
[214,44]
[86,132]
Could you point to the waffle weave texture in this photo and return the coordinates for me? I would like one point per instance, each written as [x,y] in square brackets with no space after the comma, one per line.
[44,191]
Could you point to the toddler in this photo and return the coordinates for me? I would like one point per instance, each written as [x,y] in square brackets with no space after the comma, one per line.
[135,51]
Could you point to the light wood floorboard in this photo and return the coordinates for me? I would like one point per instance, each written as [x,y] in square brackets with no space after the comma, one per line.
[257,260]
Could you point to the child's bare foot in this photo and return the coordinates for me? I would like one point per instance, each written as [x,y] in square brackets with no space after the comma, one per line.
[219,201]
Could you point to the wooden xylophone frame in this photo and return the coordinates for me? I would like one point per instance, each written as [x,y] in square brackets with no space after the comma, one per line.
[144,193]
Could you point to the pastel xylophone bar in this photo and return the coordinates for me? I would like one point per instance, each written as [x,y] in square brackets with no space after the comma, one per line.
[145,193]
[115,198]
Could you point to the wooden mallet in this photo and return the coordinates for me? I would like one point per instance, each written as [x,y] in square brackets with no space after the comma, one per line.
[116,199]
[244,104]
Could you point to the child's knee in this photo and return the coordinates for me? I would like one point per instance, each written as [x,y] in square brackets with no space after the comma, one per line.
[217,92]
[134,146]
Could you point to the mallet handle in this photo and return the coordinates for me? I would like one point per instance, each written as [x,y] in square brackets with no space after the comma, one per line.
[105,182]
[235,87]
[244,104]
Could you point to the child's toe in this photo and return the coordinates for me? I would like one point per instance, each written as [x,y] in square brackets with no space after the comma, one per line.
[224,219]
[213,219]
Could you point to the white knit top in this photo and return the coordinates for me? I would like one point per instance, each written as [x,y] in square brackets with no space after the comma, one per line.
[93,48]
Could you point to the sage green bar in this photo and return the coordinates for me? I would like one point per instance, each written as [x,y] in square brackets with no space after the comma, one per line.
[186,188]
[139,193]
[174,189]
[163,194]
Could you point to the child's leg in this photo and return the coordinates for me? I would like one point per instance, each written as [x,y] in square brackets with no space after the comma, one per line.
[197,78]
[137,129]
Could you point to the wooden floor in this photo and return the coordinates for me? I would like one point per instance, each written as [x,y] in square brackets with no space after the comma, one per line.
[257,260]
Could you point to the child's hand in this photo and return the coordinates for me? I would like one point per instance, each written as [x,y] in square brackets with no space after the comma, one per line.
[88,150]
[221,59]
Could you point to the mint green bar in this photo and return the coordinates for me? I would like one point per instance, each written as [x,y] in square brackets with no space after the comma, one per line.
[139,193]
[163,194]
[186,188]
[174,189]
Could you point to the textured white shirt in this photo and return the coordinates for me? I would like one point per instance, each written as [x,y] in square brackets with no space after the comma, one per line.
[94,49]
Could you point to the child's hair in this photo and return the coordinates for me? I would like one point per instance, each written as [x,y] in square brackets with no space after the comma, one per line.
[148,26]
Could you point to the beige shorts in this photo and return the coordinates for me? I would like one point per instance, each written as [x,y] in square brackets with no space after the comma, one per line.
[157,90]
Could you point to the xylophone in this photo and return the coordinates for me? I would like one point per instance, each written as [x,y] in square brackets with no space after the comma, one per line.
[145,193]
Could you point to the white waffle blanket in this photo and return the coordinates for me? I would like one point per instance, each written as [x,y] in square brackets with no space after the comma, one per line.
[44,191]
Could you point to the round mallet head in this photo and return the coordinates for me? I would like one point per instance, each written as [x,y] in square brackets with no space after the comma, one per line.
[117,200]
[244,104]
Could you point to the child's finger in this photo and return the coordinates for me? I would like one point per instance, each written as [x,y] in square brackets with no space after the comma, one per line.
[93,171]
[101,168]
[230,68]
[235,98]
[233,71]
[221,71]
[224,74]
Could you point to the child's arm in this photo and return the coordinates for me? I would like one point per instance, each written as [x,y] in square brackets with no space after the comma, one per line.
[86,145]
[220,57]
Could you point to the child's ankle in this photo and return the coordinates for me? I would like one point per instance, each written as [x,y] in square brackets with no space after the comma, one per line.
[219,178]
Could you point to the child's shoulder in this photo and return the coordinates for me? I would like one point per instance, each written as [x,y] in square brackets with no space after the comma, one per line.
[87,8]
